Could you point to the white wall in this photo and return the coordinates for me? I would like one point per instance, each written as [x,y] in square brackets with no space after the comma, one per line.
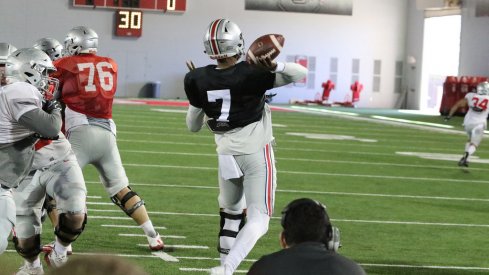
[474,52]
[474,46]
[375,31]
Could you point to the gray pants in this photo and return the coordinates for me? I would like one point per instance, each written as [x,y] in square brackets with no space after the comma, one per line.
[257,185]
[7,217]
[63,181]
[97,146]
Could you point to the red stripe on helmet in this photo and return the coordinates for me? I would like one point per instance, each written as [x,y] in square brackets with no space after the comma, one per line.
[213,36]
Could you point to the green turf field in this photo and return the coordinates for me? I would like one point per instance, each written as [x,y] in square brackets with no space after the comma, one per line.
[398,213]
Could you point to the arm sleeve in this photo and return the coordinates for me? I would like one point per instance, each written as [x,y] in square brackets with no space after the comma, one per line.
[195,118]
[288,73]
[191,90]
[47,125]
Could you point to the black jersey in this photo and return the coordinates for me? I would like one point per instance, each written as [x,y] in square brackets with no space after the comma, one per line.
[308,258]
[232,97]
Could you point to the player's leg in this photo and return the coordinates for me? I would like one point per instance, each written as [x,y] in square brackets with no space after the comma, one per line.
[7,216]
[29,197]
[231,212]
[114,179]
[475,134]
[50,206]
[65,183]
[259,189]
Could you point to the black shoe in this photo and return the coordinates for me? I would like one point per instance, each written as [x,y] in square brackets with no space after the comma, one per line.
[463,162]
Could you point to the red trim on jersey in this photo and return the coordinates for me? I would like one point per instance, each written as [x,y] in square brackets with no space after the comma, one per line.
[213,36]
[269,180]
[41,143]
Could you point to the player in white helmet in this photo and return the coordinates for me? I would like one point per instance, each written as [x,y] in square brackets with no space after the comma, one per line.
[54,50]
[24,117]
[55,176]
[475,121]
[230,99]
[5,50]
[89,124]
[51,47]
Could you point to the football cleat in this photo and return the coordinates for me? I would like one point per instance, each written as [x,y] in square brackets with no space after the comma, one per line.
[54,259]
[463,162]
[50,246]
[155,243]
[27,269]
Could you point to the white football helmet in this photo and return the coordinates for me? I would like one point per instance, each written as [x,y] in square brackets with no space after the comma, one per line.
[483,88]
[51,47]
[81,40]
[5,50]
[222,39]
[32,66]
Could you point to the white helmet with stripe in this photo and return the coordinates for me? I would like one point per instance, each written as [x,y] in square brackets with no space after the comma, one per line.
[483,88]
[222,39]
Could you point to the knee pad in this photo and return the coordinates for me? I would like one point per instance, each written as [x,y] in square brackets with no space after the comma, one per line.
[122,203]
[65,230]
[230,226]
[31,250]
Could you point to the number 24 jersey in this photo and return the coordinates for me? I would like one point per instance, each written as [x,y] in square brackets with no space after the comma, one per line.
[478,109]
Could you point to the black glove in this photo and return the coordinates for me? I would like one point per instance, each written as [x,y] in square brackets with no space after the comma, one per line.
[447,118]
[50,105]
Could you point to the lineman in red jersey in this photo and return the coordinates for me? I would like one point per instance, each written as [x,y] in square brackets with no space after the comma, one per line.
[88,83]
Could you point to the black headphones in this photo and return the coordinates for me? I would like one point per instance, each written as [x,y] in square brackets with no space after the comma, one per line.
[332,235]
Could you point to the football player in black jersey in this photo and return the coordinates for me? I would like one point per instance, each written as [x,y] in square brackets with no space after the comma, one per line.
[230,99]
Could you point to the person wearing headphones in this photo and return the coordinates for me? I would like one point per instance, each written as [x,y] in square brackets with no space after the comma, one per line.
[309,243]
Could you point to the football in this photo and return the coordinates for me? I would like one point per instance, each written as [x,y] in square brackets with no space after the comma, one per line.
[264,46]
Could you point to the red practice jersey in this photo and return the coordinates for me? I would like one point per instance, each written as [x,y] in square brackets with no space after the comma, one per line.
[87,83]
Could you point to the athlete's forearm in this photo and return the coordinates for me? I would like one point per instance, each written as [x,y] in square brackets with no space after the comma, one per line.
[289,72]
[45,124]
[195,118]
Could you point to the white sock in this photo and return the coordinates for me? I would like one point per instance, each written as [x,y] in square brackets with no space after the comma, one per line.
[255,227]
[471,149]
[148,229]
[60,248]
[35,263]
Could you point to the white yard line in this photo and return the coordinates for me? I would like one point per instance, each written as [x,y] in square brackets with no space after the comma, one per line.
[180,246]
[406,124]
[106,217]
[129,226]
[317,173]
[313,192]
[192,269]
[451,167]
[336,220]
[165,256]
[142,235]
